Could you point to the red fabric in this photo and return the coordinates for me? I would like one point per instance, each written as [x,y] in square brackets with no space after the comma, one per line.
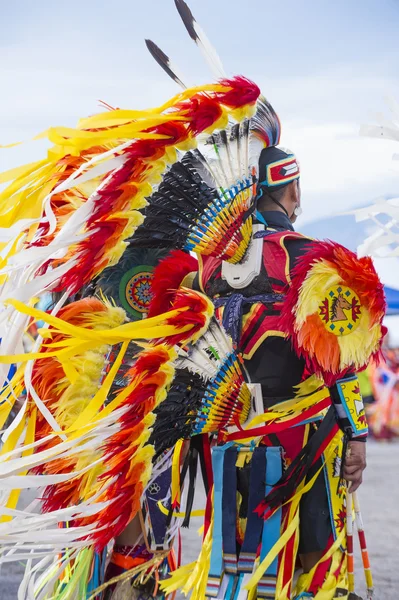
[321,571]
[208,512]
[278,175]
[280,427]
[276,264]
[289,558]
[206,448]
[179,547]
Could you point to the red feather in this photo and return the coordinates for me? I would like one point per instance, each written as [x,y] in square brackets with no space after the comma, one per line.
[203,112]
[242,92]
[168,277]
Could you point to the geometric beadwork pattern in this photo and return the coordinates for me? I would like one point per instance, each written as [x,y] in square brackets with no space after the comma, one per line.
[340,310]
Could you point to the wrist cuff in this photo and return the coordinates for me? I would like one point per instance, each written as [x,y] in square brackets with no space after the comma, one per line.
[350,408]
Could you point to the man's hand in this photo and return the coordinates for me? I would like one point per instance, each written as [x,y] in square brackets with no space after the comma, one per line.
[355,463]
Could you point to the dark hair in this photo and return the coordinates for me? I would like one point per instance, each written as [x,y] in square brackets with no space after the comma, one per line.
[269,197]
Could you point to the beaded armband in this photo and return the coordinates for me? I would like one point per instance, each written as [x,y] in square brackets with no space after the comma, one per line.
[349,405]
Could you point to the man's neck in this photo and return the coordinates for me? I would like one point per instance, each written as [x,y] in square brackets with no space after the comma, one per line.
[277,219]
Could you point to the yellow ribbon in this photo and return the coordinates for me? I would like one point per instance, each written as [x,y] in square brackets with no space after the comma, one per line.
[179,515]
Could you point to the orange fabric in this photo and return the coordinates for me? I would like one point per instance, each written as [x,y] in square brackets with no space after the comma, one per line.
[127,562]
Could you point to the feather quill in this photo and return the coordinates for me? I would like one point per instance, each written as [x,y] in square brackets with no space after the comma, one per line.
[198,36]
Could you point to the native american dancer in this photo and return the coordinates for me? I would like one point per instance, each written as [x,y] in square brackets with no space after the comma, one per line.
[244,363]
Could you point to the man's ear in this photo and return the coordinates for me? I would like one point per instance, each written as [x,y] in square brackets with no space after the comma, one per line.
[292,196]
[295,191]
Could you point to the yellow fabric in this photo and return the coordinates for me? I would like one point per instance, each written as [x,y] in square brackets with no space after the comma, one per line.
[294,502]
[288,409]
[8,395]
[180,515]
[193,576]
[292,515]
[176,472]
[328,588]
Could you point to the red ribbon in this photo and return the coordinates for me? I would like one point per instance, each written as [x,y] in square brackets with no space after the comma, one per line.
[276,427]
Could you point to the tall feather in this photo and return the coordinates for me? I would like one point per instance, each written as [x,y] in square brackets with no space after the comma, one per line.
[164,62]
[197,34]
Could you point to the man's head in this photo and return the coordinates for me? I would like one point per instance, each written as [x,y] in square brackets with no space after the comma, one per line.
[278,187]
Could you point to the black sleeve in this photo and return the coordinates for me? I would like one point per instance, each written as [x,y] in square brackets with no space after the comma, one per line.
[191,281]
[296,248]
[196,284]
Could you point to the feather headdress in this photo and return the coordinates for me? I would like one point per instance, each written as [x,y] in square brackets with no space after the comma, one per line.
[179,176]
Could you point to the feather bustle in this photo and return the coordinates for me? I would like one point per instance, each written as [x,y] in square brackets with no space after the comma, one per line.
[324,352]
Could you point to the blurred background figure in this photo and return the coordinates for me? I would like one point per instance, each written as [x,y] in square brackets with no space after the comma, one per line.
[383,413]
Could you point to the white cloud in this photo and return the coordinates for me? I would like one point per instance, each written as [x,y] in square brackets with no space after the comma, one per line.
[339,168]
[334,157]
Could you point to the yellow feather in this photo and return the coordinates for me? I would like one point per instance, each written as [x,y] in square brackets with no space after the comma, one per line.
[356,348]
[319,279]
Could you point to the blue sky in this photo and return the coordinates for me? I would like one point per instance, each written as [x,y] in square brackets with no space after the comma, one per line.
[326,67]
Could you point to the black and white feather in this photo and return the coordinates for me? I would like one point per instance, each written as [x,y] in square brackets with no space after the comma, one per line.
[165,63]
[198,36]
